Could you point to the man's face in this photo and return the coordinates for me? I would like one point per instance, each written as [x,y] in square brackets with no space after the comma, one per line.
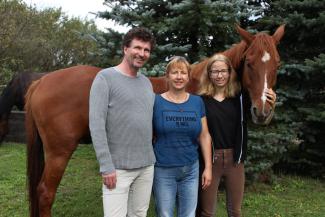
[137,53]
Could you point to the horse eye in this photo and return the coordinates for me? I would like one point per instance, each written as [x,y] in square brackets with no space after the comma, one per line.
[248,64]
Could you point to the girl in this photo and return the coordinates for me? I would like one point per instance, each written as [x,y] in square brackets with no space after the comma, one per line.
[223,101]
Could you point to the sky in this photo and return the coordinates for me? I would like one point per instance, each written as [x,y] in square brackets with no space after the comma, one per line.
[79,8]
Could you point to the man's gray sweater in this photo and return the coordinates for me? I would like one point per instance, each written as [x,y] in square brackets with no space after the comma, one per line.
[120,120]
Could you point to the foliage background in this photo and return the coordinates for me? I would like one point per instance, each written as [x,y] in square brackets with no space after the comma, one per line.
[43,41]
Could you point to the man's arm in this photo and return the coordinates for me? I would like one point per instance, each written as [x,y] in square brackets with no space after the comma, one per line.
[98,105]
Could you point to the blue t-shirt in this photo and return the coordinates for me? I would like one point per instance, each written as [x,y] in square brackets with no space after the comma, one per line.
[177,127]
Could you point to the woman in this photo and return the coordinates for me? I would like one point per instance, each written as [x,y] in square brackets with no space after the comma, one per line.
[180,126]
[222,97]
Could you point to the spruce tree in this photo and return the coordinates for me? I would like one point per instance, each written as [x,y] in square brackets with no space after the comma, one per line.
[195,29]
[301,82]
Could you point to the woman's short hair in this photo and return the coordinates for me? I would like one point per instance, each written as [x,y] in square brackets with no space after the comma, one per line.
[206,85]
[177,61]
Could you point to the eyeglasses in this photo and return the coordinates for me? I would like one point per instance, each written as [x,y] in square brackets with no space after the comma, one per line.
[215,73]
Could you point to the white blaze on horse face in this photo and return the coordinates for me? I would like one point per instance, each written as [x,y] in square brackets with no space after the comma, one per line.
[266,57]
[263,98]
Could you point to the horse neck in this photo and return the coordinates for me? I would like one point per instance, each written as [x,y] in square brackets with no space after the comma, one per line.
[236,54]
[197,70]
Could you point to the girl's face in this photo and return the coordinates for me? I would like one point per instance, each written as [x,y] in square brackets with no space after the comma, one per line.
[219,74]
[178,77]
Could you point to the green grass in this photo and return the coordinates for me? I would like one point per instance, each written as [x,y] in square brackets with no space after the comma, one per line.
[79,193]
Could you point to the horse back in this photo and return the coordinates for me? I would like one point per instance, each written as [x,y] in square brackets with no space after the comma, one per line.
[60,102]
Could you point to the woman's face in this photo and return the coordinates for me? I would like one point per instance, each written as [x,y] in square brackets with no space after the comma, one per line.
[219,74]
[178,77]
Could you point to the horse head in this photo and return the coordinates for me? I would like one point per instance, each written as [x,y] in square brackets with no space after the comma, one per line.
[259,71]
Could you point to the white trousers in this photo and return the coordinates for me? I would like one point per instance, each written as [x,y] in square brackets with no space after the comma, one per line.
[131,197]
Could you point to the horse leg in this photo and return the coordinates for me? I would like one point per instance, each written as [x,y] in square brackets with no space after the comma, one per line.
[55,165]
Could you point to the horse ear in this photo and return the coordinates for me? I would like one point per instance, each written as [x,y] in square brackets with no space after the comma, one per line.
[278,34]
[246,36]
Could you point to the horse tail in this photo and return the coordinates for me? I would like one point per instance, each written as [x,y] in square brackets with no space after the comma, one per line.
[35,154]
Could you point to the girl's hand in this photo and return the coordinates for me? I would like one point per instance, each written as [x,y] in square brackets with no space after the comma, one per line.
[270,96]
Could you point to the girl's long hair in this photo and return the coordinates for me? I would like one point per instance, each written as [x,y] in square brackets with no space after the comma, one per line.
[209,89]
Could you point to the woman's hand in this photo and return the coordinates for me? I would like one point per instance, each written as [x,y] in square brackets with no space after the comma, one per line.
[206,146]
[206,177]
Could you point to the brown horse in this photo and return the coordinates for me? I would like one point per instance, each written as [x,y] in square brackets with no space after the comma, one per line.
[57,114]
[13,95]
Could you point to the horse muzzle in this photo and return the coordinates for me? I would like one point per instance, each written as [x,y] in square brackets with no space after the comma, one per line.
[261,116]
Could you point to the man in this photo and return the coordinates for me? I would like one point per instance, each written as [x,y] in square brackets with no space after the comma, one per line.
[120,121]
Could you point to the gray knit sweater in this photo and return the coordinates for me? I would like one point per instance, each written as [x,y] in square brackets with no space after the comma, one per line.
[120,120]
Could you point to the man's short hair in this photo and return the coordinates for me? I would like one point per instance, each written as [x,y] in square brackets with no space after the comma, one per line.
[139,33]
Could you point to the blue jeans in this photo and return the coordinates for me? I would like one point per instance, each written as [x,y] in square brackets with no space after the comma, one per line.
[176,185]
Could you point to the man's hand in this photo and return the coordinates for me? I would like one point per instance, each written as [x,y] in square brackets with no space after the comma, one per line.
[109,179]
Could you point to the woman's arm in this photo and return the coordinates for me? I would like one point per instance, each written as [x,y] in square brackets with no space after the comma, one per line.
[205,143]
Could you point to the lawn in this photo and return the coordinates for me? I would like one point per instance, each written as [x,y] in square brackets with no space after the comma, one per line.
[79,193]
